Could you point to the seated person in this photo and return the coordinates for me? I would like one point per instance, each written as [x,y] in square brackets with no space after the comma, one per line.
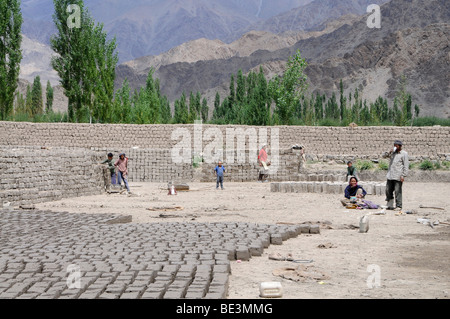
[353,192]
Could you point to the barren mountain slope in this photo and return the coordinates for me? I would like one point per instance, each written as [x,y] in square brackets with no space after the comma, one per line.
[373,59]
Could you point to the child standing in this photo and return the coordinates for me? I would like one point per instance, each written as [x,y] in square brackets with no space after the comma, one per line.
[219,171]
[112,168]
[122,166]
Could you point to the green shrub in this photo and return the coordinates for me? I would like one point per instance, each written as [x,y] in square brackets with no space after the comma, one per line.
[383,165]
[437,165]
[431,121]
[364,165]
[446,164]
[426,165]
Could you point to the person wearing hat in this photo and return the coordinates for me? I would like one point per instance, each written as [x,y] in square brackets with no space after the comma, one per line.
[398,171]
[122,166]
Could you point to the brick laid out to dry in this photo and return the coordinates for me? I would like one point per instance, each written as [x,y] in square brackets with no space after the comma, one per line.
[38,250]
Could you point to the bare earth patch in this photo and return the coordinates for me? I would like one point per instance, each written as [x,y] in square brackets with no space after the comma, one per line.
[412,258]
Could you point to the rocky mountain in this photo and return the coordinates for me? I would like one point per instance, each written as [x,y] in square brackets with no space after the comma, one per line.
[413,41]
[36,61]
[313,16]
[150,27]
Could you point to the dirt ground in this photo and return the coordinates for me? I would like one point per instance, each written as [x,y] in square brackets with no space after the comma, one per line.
[398,258]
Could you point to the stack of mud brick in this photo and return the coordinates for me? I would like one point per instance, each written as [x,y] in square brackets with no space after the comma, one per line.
[328,143]
[31,175]
[286,169]
[372,188]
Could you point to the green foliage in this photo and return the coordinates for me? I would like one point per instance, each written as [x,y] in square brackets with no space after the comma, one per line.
[383,165]
[287,90]
[10,54]
[85,62]
[49,98]
[247,103]
[430,121]
[37,104]
[364,165]
[50,117]
[426,165]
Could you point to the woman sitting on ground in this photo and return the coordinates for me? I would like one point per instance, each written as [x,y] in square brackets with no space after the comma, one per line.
[353,192]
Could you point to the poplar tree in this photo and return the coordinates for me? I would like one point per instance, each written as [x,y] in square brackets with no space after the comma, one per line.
[287,90]
[85,61]
[49,98]
[37,104]
[10,54]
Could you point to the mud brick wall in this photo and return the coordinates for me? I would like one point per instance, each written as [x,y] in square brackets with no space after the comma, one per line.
[151,165]
[149,148]
[31,175]
[320,142]
[287,168]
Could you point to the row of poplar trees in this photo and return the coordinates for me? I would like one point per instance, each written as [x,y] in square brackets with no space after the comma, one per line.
[86,63]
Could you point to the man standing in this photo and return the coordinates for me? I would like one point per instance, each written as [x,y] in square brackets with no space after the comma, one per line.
[398,171]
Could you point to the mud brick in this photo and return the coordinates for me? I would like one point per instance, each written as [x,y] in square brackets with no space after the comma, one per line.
[116,287]
[220,279]
[187,269]
[194,294]
[276,239]
[304,228]
[39,287]
[109,295]
[90,294]
[242,253]
[146,276]
[256,249]
[174,294]
[28,296]
[226,269]
[70,294]
[130,295]
[152,294]
[221,256]
[314,229]
[158,285]
[18,288]
[215,295]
